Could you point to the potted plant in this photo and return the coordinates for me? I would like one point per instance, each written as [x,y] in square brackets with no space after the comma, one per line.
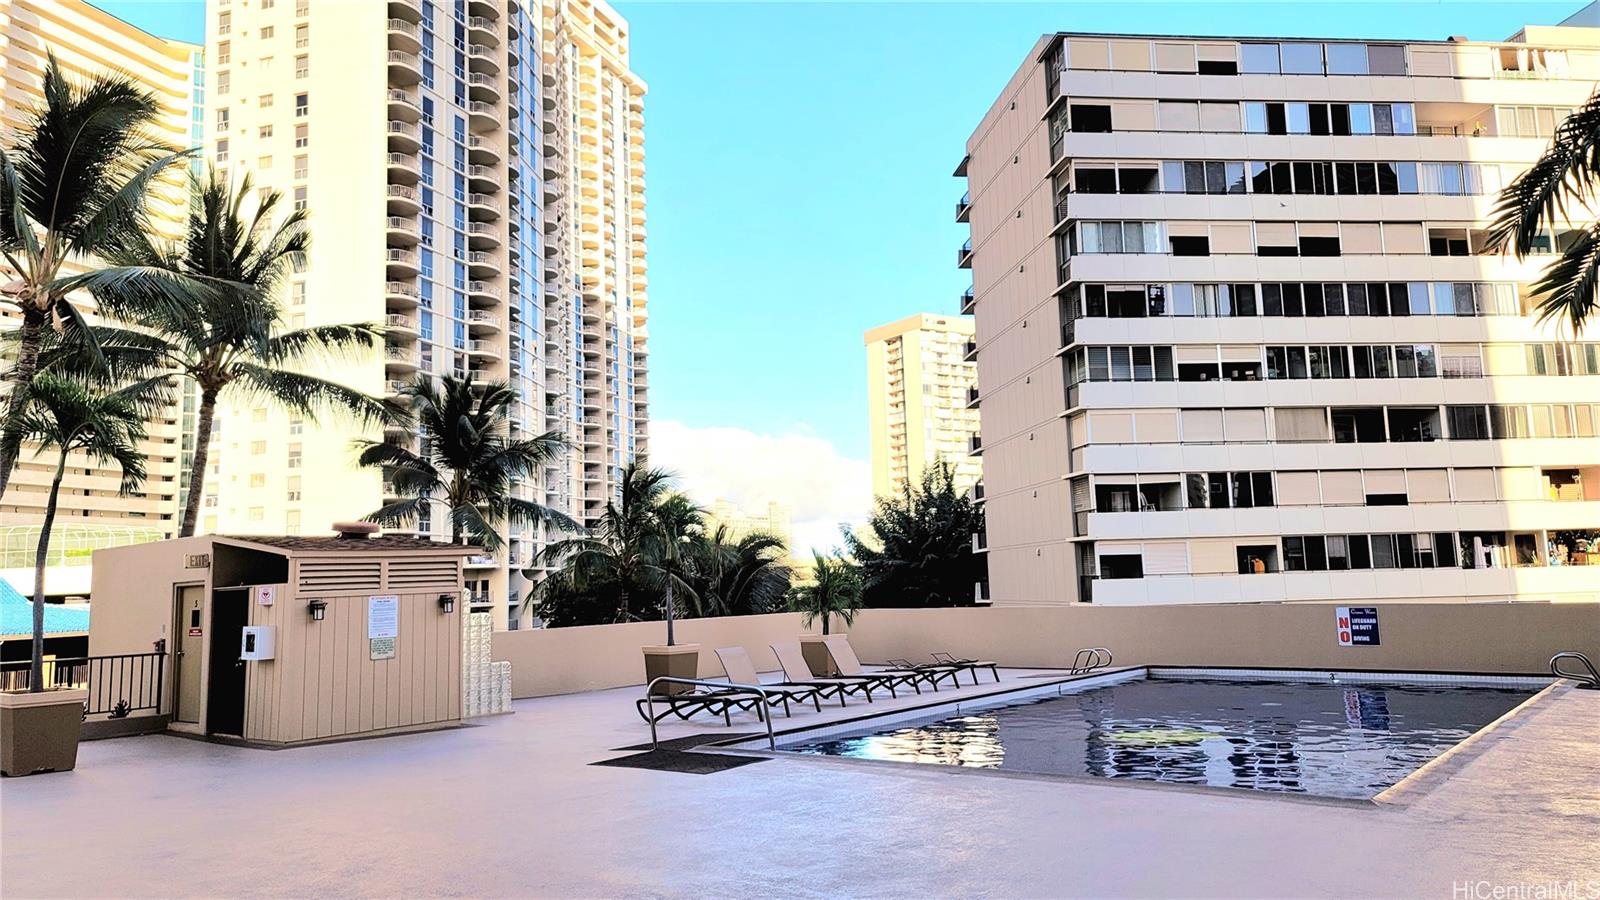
[835,590]
[39,728]
[675,524]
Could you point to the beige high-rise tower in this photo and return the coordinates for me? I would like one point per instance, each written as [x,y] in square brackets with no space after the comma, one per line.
[89,42]
[921,400]
[474,176]
[1240,336]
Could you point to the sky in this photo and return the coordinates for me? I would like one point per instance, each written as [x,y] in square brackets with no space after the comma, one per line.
[799,191]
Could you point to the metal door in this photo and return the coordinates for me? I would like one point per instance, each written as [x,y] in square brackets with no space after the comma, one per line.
[188,637]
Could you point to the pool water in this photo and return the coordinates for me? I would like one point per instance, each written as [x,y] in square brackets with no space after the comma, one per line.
[1322,739]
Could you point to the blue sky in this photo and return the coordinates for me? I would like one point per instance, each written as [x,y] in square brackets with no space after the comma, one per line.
[798,170]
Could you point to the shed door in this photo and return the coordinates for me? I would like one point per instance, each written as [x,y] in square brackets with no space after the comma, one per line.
[188,638]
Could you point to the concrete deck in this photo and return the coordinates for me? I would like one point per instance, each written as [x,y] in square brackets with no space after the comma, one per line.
[511,807]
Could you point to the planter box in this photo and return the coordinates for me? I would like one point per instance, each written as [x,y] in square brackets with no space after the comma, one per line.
[39,732]
[678,661]
[817,655]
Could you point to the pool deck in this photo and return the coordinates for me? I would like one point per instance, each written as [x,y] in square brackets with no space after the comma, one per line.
[511,807]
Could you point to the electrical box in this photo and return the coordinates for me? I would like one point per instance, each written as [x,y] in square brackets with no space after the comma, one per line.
[257,642]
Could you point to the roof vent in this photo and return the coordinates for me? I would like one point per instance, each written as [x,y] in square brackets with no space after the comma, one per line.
[355,531]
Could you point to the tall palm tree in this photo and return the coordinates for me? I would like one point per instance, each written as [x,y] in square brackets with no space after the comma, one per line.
[1566,177]
[468,462]
[740,576]
[73,178]
[227,340]
[835,590]
[620,554]
[69,417]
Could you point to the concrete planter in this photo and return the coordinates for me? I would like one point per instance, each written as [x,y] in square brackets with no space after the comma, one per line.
[39,732]
[678,661]
[817,655]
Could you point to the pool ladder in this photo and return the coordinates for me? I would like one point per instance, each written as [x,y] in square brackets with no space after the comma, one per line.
[1585,679]
[1089,659]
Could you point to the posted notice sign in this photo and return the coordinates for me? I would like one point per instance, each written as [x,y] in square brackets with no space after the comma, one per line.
[383,625]
[1358,626]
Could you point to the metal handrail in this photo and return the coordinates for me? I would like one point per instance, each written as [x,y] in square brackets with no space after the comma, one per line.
[650,702]
[1590,679]
[1088,659]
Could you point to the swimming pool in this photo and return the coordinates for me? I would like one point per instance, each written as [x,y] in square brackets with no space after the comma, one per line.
[1322,738]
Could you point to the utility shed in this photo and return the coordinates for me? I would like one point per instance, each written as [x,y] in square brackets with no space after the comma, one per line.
[284,640]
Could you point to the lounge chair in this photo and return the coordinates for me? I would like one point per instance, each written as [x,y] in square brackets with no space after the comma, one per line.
[795,671]
[971,665]
[741,670]
[935,670]
[844,659]
[687,704]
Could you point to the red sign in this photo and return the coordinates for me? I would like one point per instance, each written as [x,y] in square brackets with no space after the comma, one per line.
[194,632]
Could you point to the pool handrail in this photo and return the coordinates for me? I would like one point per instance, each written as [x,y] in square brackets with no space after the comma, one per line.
[1588,679]
[1088,659]
[650,694]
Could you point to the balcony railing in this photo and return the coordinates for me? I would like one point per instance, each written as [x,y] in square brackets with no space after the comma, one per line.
[963,206]
[117,685]
[964,255]
[967,301]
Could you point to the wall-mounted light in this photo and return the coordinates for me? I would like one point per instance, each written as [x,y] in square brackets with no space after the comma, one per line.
[318,610]
[447,603]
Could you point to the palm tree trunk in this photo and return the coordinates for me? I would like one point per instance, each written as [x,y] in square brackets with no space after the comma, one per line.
[36,670]
[825,623]
[30,337]
[197,468]
[669,610]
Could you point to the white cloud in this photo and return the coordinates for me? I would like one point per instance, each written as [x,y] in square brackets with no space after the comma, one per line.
[806,473]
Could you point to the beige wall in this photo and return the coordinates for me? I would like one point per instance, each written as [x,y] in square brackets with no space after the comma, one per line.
[595,657]
[1415,637]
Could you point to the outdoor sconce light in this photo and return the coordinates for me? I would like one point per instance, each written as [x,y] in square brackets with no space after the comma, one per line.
[447,603]
[318,610]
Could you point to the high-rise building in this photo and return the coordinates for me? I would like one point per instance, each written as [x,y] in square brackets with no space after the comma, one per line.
[774,519]
[474,176]
[88,42]
[922,396]
[1240,335]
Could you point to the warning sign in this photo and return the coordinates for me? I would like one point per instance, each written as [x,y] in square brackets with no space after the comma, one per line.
[1357,626]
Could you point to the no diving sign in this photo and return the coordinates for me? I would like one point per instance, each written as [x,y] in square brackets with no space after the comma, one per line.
[1358,626]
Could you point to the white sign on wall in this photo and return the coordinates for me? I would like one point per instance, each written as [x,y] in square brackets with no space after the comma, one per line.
[266,594]
[383,625]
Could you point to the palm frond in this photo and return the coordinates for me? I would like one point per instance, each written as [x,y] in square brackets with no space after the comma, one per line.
[1567,288]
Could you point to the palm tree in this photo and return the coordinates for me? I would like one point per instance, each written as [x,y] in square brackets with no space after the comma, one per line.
[618,558]
[227,341]
[467,462]
[72,179]
[1568,175]
[919,546]
[835,590]
[71,417]
[740,577]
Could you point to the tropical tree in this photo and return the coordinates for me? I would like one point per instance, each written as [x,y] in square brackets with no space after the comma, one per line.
[73,179]
[70,417]
[616,564]
[920,547]
[1565,181]
[228,340]
[468,462]
[835,590]
[743,576]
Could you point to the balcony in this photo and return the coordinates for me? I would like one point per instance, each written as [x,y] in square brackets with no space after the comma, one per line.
[972,397]
[484,9]
[404,68]
[482,30]
[482,207]
[405,36]
[400,294]
[482,236]
[980,542]
[483,58]
[403,106]
[483,179]
[403,200]
[410,10]
[403,168]
[482,291]
[481,321]
[482,150]
[400,263]
[977,492]
[402,231]
[401,359]
[395,387]
[969,351]
[482,264]
[404,137]
[964,255]
[482,116]
[968,302]
[963,207]
[483,87]
[483,349]
[398,324]
[975,445]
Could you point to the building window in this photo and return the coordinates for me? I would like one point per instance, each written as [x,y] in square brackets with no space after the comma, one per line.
[302,7]
[266,33]
[224,23]
[302,135]
[264,162]
[264,131]
[264,101]
[301,166]
[222,119]
[300,198]
[302,66]
[302,105]
[297,293]
[302,36]
[294,456]
[258,447]
[224,53]
[222,82]
[258,479]
[222,151]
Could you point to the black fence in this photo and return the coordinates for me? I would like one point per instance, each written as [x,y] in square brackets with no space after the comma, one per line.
[117,685]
